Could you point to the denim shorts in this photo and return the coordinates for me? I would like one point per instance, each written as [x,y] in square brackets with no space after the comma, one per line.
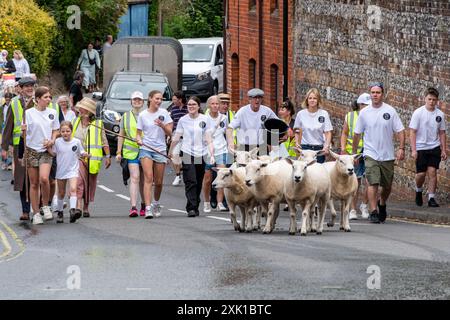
[134,161]
[156,157]
[221,159]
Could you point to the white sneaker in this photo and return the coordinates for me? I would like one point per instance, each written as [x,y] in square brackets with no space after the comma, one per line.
[221,207]
[352,215]
[207,207]
[48,215]
[364,211]
[176,181]
[149,212]
[156,209]
[37,219]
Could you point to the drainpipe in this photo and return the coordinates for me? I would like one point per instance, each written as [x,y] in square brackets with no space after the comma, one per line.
[261,44]
[285,48]
[225,42]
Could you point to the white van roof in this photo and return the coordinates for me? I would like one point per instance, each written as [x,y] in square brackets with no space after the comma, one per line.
[201,40]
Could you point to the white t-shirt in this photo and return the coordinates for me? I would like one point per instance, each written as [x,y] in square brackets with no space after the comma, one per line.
[219,128]
[251,124]
[67,154]
[428,124]
[154,135]
[40,125]
[379,126]
[313,126]
[69,116]
[193,132]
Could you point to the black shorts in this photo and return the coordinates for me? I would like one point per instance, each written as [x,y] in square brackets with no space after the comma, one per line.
[428,158]
[53,169]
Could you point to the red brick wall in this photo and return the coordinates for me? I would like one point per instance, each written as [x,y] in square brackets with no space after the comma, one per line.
[242,40]
[342,45]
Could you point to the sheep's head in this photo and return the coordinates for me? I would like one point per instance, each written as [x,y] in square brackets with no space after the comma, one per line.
[223,179]
[345,163]
[299,169]
[254,172]
[308,155]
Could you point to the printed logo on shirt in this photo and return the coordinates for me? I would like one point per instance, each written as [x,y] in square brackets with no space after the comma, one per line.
[263,118]
[321,119]
[222,124]
[74,148]
[438,119]
[202,124]
[386,116]
[51,116]
[161,118]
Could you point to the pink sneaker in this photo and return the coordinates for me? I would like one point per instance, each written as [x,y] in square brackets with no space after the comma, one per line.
[142,212]
[133,213]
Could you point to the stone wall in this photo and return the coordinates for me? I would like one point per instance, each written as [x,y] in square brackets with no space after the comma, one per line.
[342,45]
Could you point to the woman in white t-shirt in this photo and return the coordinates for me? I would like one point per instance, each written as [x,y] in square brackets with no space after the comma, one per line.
[313,129]
[67,113]
[153,125]
[67,150]
[220,124]
[196,130]
[42,127]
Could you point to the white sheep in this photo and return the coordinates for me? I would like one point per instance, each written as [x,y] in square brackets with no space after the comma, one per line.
[344,186]
[266,181]
[308,185]
[308,155]
[237,194]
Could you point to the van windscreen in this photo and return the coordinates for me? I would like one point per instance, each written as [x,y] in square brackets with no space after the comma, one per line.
[197,52]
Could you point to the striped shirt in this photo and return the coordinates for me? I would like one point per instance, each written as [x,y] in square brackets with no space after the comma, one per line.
[176,113]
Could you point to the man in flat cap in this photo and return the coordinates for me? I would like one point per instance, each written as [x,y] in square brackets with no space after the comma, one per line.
[250,122]
[12,135]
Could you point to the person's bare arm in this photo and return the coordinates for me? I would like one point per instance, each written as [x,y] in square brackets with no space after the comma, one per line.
[344,136]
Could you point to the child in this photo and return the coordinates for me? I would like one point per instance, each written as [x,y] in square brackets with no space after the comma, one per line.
[67,151]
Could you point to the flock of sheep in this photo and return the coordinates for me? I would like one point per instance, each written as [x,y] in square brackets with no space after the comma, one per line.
[258,185]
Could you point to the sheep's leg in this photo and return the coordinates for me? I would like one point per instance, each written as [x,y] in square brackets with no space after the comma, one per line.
[270,215]
[346,210]
[292,216]
[276,212]
[256,214]
[333,213]
[243,219]
[248,218]
[313,216]
[305,214]
[322,206]
[232,207]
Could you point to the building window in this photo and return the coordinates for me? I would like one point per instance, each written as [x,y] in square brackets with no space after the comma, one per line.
[235,81]
[274,86]
[252,73]
[273,6]
[252,5]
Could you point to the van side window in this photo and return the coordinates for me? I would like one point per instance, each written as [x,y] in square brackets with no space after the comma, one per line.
[219,55]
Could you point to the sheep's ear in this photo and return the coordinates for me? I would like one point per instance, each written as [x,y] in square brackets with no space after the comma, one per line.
[240,165]
[264,164]
[334,155]
[254,153]
[320,153]
[311,162]
[357,156]
[215,169]
[230,171]
[289,161]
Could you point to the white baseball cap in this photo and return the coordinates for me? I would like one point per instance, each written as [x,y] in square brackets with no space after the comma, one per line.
[137,94]
[364,99]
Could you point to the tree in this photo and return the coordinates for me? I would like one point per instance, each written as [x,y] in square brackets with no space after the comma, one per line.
[27,28]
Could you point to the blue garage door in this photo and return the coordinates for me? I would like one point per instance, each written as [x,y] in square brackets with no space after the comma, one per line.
[134,22]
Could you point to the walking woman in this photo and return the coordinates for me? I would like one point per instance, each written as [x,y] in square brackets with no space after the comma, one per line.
[41,125]
[22,67]
[313,129]
[66,113]
[88,130]
[67,150]
[129,150]
[153,125]
[220,124]
[196,130]
[87,62]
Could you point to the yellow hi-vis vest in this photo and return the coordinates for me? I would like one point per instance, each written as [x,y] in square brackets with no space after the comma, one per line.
[94,147]
[230,116]
[352,117]
[17,110]
[54,107]
[130,149]
[290,145]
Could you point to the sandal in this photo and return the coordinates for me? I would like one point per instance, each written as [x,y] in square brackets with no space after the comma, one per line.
[24,217]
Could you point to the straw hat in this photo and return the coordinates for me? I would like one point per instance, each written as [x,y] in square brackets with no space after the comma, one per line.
[224,97]
[88,104]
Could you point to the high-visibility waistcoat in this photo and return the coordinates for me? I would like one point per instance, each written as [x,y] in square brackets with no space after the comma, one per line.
[230,116]
[17,110]
[130,149]
[93,143]
[351,122]
[290,145]
[54,107]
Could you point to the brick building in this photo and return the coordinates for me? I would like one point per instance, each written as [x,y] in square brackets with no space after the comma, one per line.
[254,44]
[339,46]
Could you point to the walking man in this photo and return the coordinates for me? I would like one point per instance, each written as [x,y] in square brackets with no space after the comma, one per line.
[378,122]
[428,144]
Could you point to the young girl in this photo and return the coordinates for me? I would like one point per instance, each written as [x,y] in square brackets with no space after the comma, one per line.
[67,151]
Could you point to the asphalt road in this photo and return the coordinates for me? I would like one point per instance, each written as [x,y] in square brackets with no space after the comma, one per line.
[111,256]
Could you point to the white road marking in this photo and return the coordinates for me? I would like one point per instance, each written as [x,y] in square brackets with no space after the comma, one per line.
[219,218]
[105,188]
[421,223]
[123,197]
[55,289]
[176,210]
[139,289]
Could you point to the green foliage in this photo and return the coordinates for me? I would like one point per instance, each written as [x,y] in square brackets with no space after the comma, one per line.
[28,28]
[98,19]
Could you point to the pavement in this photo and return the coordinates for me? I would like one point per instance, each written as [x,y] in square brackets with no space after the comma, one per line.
[410,211]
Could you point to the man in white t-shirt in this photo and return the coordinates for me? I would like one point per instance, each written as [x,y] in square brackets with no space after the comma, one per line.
[379,122]
[428,144]
[250,122]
